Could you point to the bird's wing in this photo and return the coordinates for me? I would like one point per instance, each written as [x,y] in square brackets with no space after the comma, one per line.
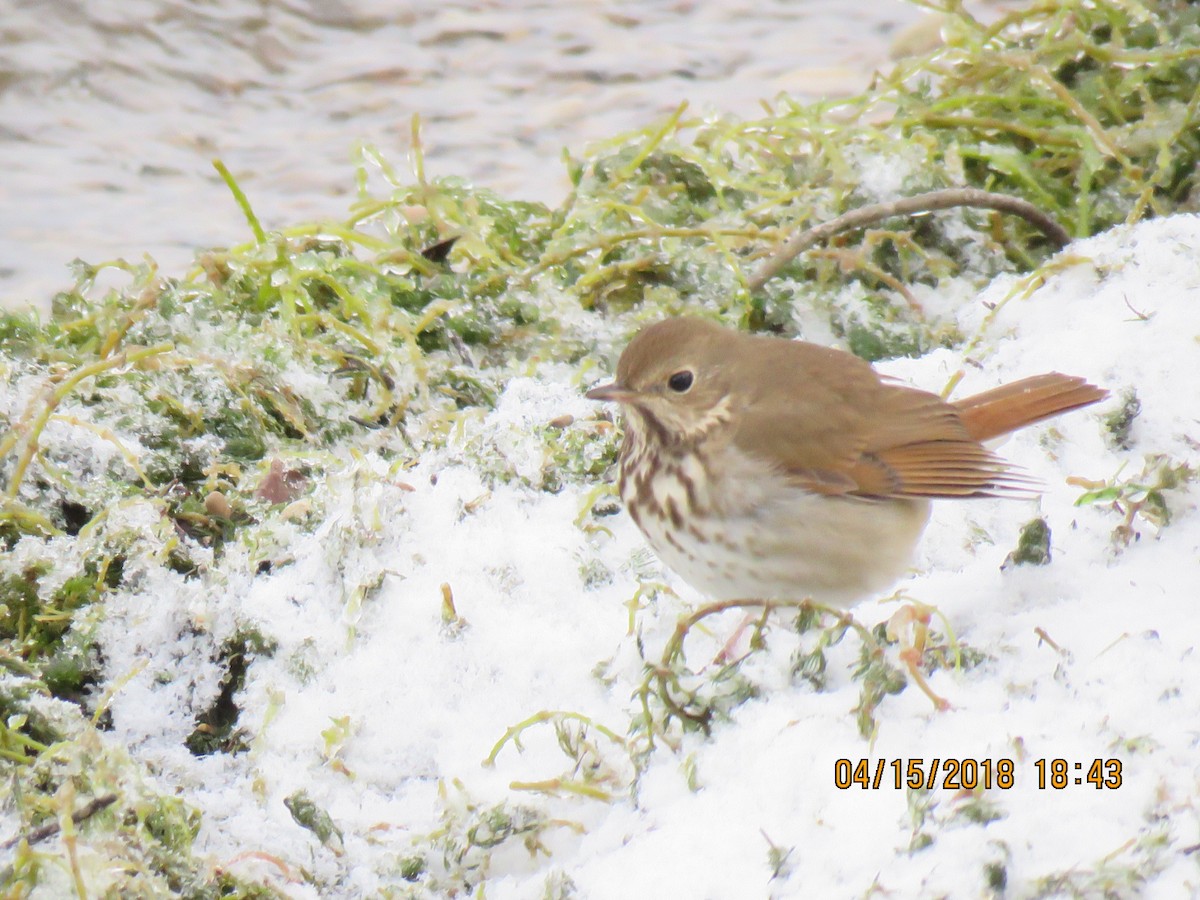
[837,428]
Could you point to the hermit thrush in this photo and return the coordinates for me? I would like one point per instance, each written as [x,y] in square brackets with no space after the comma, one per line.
[763,468]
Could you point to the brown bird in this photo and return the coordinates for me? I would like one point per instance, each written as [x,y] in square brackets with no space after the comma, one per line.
[764,468]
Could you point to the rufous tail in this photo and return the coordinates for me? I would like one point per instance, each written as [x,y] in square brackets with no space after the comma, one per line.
[1011,406]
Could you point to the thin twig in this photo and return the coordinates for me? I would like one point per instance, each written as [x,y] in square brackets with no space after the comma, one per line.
[907,206]
[665,672]
[52,828]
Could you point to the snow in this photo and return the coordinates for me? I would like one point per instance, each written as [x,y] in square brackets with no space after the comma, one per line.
[384,713]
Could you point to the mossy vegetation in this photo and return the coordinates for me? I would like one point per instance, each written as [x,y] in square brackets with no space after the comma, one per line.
[157,426]
[1033,545]
[216,729]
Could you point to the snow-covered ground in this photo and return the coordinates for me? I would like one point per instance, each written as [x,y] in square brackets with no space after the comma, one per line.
[382,713]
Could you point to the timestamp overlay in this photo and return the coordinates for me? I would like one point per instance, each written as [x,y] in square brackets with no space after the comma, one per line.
[982,773]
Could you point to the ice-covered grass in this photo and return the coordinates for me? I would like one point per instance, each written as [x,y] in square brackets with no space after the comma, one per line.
[312,576]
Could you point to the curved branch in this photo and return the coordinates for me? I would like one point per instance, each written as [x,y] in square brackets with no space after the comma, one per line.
[907,206]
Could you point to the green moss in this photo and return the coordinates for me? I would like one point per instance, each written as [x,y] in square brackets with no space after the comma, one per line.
[34,625]
[1119,422]
[19,605]
[1033,545]
[308,341]
[412,867]
[877,680]
[24,729]
[20,333]
[995,877]
[172,823]
[311,817]
[873,344]
[979,809]
[68,673]
[216,728]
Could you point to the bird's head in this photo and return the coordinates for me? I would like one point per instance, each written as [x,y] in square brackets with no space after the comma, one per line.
[672,379]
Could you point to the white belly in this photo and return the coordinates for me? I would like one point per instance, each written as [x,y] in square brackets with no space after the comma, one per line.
[774,541]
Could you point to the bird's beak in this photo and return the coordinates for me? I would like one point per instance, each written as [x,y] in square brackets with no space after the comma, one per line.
[607,392]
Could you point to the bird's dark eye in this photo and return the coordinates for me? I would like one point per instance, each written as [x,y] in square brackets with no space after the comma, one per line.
[680,382]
